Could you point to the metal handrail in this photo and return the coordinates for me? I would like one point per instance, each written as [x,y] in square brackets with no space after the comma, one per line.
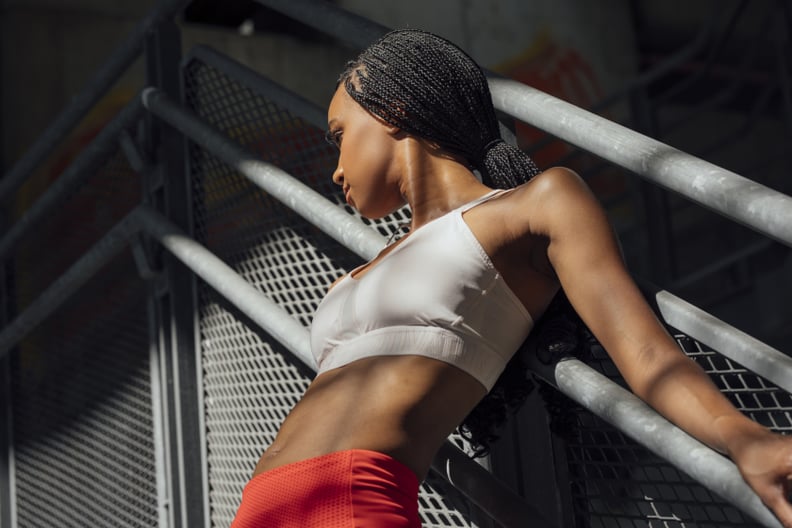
[598,397]
[296,195]
[760,358]
[479,486]
[94,90]
[730,341]
[725,192]
[747,202]
[73,176]
[636,419]
[70,281]
[600,393]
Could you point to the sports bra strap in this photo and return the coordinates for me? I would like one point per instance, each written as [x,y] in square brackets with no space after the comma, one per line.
[481,199]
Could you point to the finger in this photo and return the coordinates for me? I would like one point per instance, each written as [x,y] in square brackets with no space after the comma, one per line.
[781,507]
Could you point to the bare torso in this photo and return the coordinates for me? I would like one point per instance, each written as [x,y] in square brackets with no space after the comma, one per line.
[406,406]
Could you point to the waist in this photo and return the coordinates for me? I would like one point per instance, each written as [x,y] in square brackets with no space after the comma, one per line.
[403,406]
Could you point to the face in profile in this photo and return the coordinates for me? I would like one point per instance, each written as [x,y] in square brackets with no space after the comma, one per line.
[368,168]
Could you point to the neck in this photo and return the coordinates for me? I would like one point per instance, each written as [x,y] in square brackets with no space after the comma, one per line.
[434,183]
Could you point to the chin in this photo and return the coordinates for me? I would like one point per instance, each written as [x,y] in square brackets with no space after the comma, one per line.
[376,214]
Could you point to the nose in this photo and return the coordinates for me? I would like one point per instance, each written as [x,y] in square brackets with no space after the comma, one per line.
[338,175]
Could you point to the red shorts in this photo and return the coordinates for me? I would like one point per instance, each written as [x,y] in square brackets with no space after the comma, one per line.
[347,489]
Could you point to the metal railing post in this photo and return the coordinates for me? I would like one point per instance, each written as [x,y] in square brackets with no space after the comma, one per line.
[167,190]
[7,459]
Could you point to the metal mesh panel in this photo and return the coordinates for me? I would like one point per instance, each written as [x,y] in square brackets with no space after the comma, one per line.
[617,483]
[249,384]
[82,410]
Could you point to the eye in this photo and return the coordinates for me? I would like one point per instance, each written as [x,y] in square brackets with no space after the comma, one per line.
[334,138]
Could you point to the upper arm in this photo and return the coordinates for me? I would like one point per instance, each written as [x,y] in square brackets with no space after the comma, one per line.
[588,263]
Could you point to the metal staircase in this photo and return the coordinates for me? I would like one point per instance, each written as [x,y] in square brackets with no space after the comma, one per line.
[158,294]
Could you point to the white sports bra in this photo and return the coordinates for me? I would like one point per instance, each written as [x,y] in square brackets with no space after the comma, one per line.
[436,295]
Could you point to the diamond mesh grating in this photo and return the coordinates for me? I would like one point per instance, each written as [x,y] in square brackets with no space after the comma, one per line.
[249,384]
[615,482]
[82,413]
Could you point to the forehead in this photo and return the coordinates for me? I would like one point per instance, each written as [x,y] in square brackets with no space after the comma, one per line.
[341,105]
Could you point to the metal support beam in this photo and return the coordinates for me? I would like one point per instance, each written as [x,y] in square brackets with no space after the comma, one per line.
[168,189]
[8,503]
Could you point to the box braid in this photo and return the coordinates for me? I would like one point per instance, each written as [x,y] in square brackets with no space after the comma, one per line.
[430,88]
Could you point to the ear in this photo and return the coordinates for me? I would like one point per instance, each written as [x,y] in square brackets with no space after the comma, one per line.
[394,131]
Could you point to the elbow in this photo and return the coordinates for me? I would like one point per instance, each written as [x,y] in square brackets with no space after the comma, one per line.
[657,366]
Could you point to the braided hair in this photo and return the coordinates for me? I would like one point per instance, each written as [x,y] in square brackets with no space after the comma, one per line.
[430,88]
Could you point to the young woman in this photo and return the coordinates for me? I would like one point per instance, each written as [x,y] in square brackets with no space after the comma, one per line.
[410,342]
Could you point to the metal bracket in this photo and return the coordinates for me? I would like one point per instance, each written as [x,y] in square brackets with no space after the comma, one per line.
[140,161]
[145,269]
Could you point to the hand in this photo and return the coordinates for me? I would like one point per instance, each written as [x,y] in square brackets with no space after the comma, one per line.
[766,465]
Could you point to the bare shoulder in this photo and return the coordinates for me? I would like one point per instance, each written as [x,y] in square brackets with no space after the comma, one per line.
[554,195]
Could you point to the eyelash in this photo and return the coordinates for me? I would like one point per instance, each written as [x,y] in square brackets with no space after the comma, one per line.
[334,138]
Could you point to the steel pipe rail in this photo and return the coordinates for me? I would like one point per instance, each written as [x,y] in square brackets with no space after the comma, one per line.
[749,203]
[725,192]
[601,392]
[736,345]
[478,485]
[492,496]
[96,88]
[217,274]
[72,280]
[75,174]
[635,418]
[314,207]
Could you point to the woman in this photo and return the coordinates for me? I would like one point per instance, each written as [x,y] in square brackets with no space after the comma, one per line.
[410,342]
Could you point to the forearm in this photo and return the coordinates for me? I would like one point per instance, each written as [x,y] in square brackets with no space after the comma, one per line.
[682,392]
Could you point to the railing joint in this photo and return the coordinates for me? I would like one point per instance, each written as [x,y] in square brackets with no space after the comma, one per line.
[138,160]
[143,261]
